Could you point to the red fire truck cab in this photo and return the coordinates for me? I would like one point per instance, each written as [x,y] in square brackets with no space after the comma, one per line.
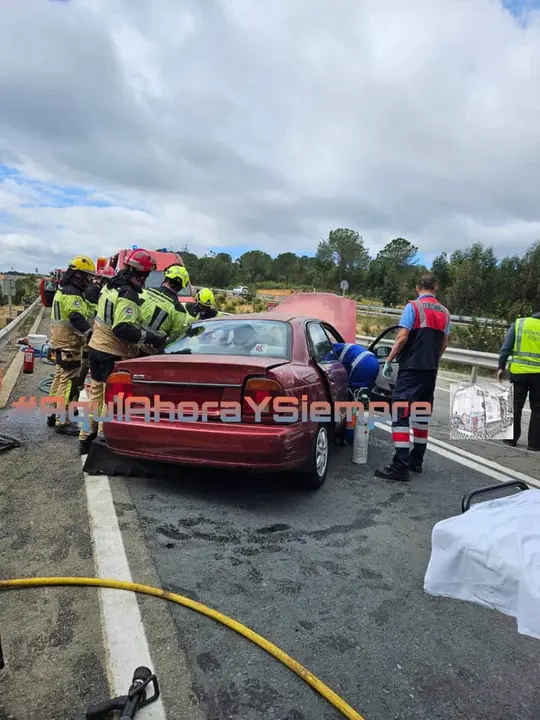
[163,258]
[48,287]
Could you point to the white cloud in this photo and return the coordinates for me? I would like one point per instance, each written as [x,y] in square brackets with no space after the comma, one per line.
[266,124]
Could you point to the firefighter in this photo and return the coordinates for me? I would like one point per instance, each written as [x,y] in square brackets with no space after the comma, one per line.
[117,332]
[161,310]
[70,330]
[421,341]
[522,343]
[92,298]
[204,307]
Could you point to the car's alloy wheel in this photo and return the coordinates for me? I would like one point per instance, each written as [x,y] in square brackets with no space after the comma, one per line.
[315,474]
[321,451]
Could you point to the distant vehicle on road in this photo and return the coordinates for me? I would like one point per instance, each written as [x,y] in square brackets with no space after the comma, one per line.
[163,259]
[241,291]
[246,359]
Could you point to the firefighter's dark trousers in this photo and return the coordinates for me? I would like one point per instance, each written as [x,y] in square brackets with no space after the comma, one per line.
[412,386]
[101,366]
[527,384]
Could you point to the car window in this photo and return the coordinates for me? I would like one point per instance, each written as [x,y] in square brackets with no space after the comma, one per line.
[257,338]
[332,334]
[322,349]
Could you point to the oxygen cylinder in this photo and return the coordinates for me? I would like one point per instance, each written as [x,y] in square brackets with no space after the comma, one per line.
[361,439]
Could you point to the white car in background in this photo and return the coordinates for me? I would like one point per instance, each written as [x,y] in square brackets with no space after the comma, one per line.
[241,290]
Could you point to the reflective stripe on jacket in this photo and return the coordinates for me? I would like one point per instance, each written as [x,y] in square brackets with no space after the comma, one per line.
[163,314]
[114,309]
[526,352]
[64,335]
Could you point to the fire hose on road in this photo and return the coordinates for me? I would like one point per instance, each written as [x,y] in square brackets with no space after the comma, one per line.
[329,695]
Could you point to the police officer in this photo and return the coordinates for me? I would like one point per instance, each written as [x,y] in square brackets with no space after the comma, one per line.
[204,307]
[117,331]
[92,298]
[423,338]
[70,330]
[161,310]
[522,342]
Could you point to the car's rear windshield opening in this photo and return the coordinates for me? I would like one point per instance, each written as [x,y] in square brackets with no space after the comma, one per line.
[259,338]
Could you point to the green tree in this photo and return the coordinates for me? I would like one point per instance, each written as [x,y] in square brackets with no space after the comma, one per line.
[255,266]
[474,275]
[344,256]
[285,267]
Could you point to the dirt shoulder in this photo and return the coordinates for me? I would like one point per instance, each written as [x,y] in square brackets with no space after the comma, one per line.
[52,638]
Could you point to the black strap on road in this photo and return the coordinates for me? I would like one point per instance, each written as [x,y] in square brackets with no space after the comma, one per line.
[8,443]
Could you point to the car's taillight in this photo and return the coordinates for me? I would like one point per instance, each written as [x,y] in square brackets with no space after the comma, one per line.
[119,381]
[258,399]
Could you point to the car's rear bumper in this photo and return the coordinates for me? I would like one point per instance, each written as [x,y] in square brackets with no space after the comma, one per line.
[219,444]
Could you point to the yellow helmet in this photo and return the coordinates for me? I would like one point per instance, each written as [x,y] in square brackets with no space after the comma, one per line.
[84,264]
[205,297]
[177,275]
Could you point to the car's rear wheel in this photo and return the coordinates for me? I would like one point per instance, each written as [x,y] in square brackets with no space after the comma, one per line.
[315,474]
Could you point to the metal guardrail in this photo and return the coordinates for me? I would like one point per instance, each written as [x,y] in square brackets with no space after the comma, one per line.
[472,358]
[7,332]
[463,319]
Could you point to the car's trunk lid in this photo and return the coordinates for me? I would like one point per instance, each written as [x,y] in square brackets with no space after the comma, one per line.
[194,379]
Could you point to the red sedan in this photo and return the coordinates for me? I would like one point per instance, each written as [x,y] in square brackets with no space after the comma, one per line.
[236,392]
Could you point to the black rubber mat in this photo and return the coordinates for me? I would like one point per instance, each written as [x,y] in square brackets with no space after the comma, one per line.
[101,460]
[8,443]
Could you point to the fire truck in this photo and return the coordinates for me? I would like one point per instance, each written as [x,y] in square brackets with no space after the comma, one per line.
[48,287]
[163,259]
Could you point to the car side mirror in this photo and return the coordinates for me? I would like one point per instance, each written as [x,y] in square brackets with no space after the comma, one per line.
[382,351]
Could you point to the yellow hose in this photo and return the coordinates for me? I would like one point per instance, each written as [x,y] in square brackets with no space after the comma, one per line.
[276,652]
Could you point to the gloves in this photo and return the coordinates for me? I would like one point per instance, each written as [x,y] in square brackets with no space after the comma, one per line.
[387,371]
[152,338]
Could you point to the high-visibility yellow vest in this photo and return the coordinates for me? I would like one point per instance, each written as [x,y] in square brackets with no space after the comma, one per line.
[526,352]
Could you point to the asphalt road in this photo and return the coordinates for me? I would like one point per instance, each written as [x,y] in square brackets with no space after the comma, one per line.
[334,577]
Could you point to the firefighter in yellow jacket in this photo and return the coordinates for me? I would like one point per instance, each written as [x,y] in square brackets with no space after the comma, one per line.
[92,298]
[161,310]
[118,332]
[70,330]
[204,307]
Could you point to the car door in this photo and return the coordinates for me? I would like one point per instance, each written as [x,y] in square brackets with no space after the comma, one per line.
[323,354]
[381,346]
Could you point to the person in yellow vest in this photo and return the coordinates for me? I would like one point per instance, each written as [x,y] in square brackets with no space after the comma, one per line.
[204,307]
[161,310]
[522,344]
[118,332]
[92,298]
[70,331]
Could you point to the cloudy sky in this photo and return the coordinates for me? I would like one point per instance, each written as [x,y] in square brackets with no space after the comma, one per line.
[229,125]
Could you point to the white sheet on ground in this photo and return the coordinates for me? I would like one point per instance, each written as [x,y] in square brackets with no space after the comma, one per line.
[490,555]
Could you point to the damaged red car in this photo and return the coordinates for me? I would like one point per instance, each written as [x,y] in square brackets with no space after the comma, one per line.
[239,392]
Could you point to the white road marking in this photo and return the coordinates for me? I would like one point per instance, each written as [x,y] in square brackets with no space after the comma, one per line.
[474,462]
[124,631]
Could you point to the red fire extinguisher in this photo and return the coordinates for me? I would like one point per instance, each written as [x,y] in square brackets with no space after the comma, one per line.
[28,365]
